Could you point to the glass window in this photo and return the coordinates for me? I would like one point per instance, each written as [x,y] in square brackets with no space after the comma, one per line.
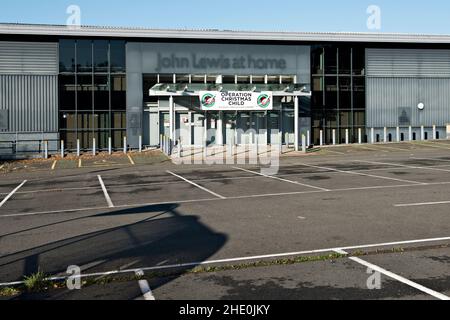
[119,120]
[84,92]
[118,92]
[68,120]
[66,56]
[228,79]
[345,93]
[101,56]
[331,92]
[317,91]
[359,118]
[359,92]
[84,120]
[330,60]
[70,139]
[345,60]
[84,56]
[149,81]
[117,138]
[101,120]
[67,92]
[117,54]
[359,61]
[317,60]
[101,93]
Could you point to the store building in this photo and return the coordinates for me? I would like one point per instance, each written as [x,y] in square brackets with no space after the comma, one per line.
[80,84]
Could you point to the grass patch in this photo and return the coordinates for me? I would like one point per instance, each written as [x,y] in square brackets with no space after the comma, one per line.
[9,292]
[37,282]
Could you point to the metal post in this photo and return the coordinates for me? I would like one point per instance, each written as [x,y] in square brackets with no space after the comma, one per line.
[45,149]
[62,149]
[109,146]
[410,133]
[398,134]
[125,147]
[372,135]
[140,143]
[280,141]
[422,133]
[321,137]
[434,132]
[296,123]
[94,151]
[360,136]
[385,135]
[172,117]
[334,137]
[303,143]
[308,138]
[347,140]
[78,148]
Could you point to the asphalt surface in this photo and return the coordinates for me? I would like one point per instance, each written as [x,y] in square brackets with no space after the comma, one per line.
[157,216]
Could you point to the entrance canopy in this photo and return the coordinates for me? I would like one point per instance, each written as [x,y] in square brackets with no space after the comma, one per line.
[195,89]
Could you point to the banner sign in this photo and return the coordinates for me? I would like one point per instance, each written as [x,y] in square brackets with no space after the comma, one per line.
[236,101]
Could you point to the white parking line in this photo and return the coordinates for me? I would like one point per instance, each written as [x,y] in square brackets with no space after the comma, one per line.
[196,185]
[2,166]
[105,192]
[12,193]
[421,204]
[403,166]
[281,179]
[131,160]
[54,164]
[248,258]
[363,174]
[431,159]
[394,276]
[283,194]
[145,287]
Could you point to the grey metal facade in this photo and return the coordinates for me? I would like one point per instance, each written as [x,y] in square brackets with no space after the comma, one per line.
[29,92]
[399,79]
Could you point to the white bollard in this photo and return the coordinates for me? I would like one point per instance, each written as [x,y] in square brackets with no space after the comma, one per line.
[280,141]
[62,149]
[308,138]
[334,137]
[45,149]
[372,135]
[434,132]
[109,146]
[304,143]
[321,138]
[78,148]
[422,133]
[398,134]
[360,136]
[140,143]
[94,149]
[125,147]
[410,134]
[385,135]
[347,140]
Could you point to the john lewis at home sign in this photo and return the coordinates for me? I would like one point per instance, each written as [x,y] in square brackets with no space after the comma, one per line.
[236,101]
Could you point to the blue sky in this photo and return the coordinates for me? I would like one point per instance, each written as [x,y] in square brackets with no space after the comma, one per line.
[432,16]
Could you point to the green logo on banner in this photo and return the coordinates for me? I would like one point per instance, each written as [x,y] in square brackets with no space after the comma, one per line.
[263,101]
[208,100]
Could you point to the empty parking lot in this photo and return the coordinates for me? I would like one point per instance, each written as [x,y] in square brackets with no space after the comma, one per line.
[230,232]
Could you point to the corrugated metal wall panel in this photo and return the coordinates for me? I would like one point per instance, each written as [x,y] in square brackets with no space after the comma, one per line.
[385,97]
[28,58]
[408,63]
[32,102]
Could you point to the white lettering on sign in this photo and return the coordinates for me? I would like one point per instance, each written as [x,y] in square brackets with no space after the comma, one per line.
[236,100]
